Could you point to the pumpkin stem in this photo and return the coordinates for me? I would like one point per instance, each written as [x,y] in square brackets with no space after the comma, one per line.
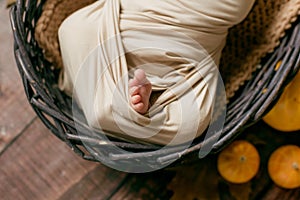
[243,158]
[296,166]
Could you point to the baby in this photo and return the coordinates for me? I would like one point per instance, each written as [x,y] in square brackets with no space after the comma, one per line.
[140,90]
[116,52]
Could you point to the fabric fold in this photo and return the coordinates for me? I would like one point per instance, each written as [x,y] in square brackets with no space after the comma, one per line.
[103,43]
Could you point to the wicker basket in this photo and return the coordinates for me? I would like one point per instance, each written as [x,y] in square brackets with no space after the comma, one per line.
[54,108]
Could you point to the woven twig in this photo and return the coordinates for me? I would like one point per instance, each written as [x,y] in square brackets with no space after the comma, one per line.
[54,108]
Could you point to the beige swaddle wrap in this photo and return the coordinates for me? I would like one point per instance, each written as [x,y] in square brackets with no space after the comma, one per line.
[177,43]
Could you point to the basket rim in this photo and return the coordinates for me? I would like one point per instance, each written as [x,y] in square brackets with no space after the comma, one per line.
[246,110]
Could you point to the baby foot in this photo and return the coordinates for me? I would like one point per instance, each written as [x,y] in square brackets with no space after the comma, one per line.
[140,90]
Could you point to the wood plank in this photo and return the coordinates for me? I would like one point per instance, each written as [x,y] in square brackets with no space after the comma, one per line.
[100,183]
[145,186]
[276,192]
[196,181]
[39,166]
[15,111]
[15,115]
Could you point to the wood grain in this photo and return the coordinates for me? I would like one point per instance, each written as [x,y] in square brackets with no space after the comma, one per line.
[276,192]
[15,111]
[145,186]
[99,183]
[39,166]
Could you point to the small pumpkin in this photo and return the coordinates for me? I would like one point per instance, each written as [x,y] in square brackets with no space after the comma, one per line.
[239,162]
[284,166]
[285,115]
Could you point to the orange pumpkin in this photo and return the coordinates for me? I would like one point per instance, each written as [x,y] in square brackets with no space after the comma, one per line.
[239,162]
[284,166]
[285,115]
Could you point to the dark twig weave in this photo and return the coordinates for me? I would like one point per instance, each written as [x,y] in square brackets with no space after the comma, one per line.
[54,108]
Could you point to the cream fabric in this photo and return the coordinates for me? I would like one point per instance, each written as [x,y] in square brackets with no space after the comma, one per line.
[178,44]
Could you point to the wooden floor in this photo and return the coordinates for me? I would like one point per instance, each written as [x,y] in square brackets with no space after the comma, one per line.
[34,164]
